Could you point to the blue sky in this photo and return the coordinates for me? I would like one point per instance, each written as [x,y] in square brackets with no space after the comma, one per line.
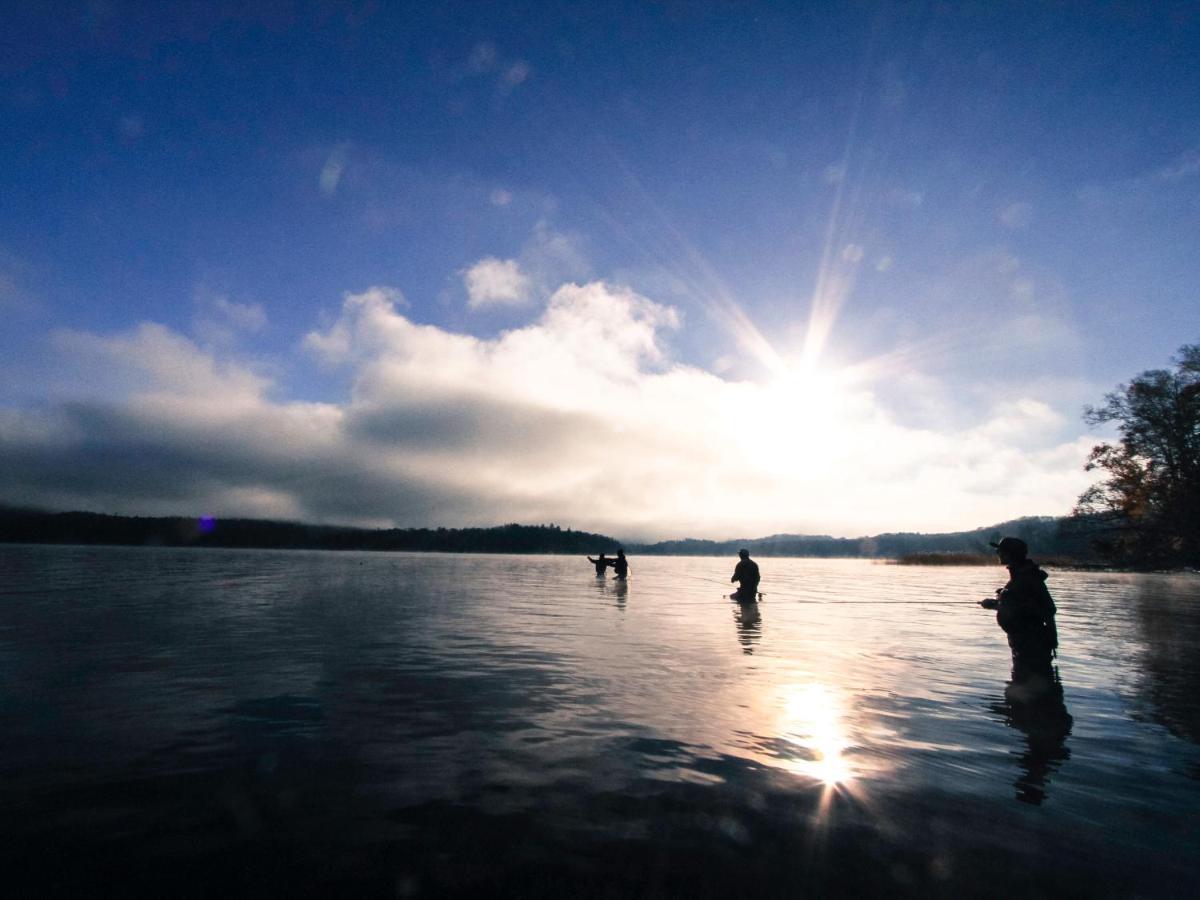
[844,269]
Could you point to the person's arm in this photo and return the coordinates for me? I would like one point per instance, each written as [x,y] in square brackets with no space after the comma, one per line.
[992,602]
[592,561]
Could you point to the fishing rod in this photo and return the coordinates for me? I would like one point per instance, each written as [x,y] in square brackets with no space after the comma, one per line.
[794,599]
[875,602]
[884,602]
[703,578]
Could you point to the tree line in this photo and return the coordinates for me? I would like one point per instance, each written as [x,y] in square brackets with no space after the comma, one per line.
[1146,510]
[41,527]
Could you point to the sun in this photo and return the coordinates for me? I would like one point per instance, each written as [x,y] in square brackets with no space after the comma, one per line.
[801,416]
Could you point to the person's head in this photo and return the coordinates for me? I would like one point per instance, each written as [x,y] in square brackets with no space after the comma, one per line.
[744,554]
[1011,550]
[602,554]
[620,551]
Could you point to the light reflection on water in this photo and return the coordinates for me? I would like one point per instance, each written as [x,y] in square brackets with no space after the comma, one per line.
[390,714]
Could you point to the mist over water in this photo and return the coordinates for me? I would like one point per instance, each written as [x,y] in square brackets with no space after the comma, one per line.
[192,722]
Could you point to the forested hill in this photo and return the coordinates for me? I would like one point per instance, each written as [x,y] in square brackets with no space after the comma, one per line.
[1060,537]
[1046,536]
[38,527]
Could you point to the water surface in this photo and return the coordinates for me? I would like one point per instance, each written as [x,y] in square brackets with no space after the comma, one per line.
[206,722]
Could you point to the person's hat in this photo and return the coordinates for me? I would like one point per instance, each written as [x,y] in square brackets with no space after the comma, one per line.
[1011,545]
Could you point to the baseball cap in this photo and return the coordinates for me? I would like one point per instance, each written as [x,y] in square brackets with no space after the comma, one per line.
[1011,545]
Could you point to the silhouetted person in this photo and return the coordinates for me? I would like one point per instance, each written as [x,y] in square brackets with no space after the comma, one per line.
[621,565]
[747,577]
[1024,608]
[601,564]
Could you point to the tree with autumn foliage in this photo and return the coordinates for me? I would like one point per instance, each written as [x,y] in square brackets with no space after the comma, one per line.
[1148,506]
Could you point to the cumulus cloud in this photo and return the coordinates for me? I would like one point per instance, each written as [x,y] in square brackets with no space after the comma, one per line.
[152,360]
[581,416]
[353,333]
[496,282]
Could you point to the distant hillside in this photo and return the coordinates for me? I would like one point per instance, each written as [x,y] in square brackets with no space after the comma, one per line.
[1046,536]
[38,527]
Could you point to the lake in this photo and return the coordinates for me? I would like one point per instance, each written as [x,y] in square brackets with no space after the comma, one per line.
[181,722]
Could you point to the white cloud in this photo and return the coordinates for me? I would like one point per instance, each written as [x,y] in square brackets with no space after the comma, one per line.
[152,359]
[500,197]
[245,316]
[357,332]
[554,257]
[221,321]
[496,282]
[580,417]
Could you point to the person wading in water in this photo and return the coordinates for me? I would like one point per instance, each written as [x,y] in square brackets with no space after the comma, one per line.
[621,565]
[1024,608]
[746,574]
[601,564]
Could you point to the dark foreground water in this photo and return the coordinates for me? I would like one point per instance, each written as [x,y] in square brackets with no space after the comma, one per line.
[246,723]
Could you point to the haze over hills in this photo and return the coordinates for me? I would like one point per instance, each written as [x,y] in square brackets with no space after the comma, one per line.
[1046,535]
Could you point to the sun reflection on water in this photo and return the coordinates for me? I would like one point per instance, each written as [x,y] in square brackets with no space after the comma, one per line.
[813,723]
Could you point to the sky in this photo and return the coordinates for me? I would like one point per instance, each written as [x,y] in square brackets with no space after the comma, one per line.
[650,269]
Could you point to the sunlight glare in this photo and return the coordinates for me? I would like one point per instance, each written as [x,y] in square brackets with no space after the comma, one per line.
[812,721]
[801,416]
